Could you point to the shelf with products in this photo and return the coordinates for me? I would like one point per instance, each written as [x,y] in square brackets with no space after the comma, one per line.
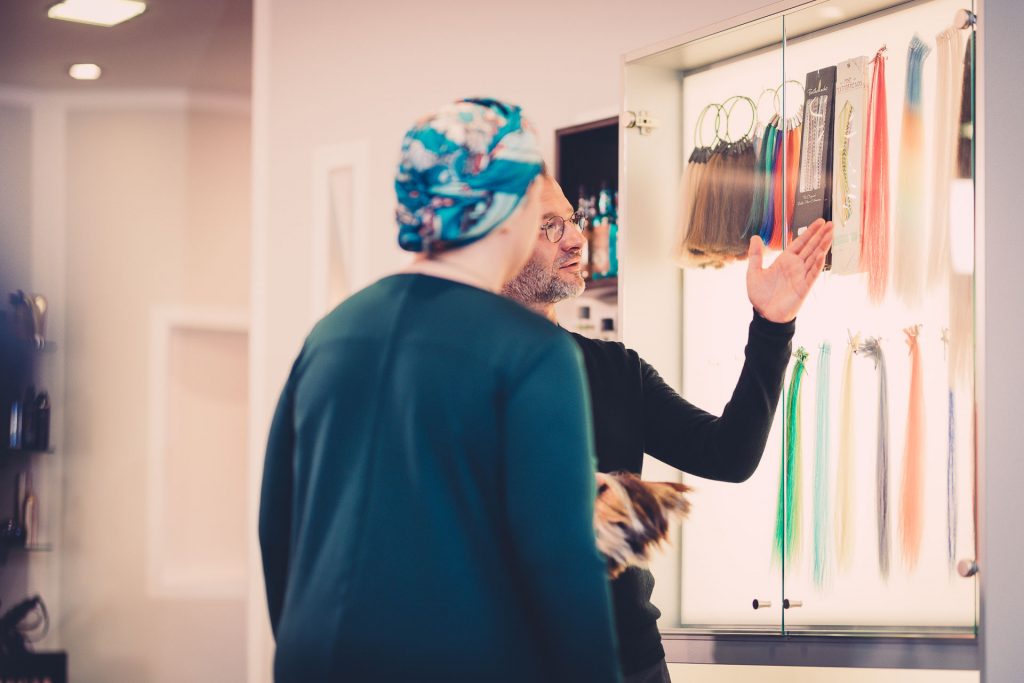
[862,506]
[25,366]
[586,167]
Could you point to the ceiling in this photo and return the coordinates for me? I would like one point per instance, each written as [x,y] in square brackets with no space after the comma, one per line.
[200,45]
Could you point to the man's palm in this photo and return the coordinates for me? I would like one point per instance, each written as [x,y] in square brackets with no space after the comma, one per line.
[778,291]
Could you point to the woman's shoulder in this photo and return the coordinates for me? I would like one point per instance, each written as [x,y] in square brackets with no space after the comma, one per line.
[438,312]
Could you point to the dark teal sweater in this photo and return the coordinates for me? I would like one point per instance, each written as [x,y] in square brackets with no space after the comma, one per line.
[427,503]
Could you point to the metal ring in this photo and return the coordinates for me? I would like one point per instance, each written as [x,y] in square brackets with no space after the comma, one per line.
[777,102]
[728,112]
[698,133]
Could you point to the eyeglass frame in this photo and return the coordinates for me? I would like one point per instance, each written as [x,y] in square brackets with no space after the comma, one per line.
[557,223]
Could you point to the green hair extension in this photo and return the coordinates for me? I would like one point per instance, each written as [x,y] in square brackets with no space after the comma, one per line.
[787,516]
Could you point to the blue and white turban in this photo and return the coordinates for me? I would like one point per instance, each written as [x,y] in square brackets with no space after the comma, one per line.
[462,173]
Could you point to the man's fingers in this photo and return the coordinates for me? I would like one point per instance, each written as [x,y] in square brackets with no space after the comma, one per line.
[800,243]
[755,254]
[814,270]
[820,253]
[820,232]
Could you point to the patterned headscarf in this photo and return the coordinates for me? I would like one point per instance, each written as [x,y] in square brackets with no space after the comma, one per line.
[462,173]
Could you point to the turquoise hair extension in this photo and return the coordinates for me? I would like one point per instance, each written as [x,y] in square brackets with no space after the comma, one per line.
[821,467]
[787,516]
[772,160]
[762,179]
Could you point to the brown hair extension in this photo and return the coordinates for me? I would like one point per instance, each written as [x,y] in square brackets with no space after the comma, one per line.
[688,187]
[722,203]
[697,238]
[632,517]
[737,197]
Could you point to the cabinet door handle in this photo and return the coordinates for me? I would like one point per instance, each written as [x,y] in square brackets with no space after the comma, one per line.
[787,603]
[967,568]
[762,604]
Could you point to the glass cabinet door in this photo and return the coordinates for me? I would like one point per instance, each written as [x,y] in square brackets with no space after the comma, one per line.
[883,441]
[862,506]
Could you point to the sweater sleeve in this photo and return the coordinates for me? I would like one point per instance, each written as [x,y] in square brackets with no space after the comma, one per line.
[549,494]
[275,514]
[729,447]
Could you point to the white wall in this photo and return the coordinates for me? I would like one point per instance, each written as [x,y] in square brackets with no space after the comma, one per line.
[15,214]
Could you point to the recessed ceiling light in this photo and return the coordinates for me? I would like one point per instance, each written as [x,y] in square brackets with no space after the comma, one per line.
[97,12]
[85,72]
[832,13]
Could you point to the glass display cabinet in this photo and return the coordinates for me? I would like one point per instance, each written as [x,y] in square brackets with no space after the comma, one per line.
[860,519]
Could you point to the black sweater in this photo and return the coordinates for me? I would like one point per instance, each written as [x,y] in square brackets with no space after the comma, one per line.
[636,412]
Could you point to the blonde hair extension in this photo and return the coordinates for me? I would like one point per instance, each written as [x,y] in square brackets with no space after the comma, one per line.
[845,519]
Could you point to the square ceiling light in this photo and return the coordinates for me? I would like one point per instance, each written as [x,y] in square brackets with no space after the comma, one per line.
[97,12]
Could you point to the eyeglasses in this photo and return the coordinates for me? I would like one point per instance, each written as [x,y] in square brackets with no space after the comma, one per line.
[554,228]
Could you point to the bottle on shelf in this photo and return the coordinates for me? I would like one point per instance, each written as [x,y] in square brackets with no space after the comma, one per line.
[14,434]
[42,421]
[599,246]
[29,427]
[583,206]
[613,237]
[604,249]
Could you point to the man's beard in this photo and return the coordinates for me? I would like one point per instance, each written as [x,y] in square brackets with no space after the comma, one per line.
[538,285]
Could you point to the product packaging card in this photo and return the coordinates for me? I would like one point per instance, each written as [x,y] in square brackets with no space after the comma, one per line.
[848,151]
[814,184]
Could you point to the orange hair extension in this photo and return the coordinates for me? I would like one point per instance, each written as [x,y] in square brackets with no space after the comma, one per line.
[911,520]
[875,233]
[792,171]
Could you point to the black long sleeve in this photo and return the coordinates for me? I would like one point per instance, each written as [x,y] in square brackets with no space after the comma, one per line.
[729,447]
[636,412]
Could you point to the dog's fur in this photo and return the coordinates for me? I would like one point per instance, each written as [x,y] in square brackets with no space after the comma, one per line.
[632,517]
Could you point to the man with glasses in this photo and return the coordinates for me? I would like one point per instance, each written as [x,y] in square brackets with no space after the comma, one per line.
[636,412]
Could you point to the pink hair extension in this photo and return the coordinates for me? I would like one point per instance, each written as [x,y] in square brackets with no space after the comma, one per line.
[875,240]
[911,521]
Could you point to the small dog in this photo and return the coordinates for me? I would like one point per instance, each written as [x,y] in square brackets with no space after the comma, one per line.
[632,517]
